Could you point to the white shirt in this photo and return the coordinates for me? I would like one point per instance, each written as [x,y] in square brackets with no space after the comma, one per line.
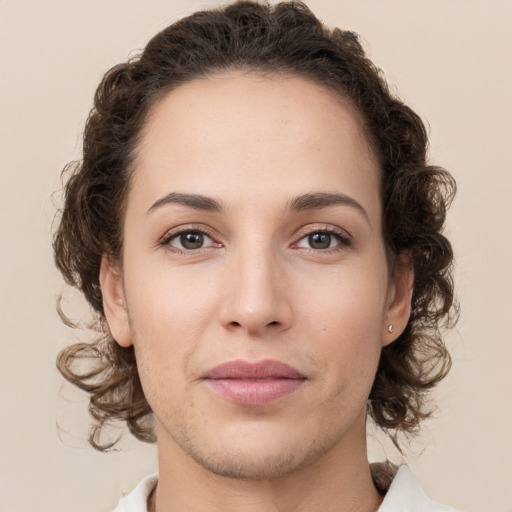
[404,495]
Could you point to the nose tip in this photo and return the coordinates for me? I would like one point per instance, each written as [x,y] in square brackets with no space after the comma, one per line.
[256,300]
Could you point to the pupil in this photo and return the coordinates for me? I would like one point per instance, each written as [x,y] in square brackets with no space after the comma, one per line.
[320,240]
[192,240]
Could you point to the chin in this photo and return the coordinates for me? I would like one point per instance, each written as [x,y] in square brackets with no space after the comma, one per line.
[256,461]
[242,467]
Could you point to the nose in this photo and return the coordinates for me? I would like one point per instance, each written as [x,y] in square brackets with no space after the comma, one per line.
[256,295]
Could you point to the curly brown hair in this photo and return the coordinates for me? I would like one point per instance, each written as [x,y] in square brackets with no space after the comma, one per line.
[286,39]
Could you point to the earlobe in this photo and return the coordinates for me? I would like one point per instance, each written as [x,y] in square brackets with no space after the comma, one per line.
[400,299]
[114,303]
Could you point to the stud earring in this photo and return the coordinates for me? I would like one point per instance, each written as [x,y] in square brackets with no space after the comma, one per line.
[390,328]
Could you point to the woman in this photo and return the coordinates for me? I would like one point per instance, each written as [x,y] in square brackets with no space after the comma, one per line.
[256,226]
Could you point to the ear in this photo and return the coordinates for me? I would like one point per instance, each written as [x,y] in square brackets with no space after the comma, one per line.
[114,303]
[399,299]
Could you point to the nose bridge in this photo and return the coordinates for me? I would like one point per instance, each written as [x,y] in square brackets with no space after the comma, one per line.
[257,292]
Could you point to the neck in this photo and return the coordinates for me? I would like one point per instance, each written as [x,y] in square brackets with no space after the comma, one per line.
[340,480]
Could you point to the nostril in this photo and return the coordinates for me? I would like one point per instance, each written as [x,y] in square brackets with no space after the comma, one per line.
[270,324]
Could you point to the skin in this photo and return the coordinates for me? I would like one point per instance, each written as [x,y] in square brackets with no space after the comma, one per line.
[258,288]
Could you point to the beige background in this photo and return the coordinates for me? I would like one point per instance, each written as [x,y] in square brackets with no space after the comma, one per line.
[450,59]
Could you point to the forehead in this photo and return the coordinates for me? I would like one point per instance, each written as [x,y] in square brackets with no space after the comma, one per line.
[242,129]
[246,99]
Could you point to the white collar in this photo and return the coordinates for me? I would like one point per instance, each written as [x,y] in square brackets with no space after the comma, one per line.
[137,500]
[404,495]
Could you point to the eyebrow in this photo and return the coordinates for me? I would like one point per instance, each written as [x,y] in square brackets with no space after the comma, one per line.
[318,200]
[195,201]
[304,202]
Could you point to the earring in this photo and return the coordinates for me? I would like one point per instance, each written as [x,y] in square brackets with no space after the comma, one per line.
[390,328]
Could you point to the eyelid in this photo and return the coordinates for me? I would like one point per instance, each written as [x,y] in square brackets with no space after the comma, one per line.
[345,239]
[191,228]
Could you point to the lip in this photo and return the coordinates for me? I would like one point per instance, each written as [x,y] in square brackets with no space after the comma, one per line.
[260,383]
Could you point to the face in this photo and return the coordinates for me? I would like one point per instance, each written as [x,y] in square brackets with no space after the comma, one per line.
[254,282]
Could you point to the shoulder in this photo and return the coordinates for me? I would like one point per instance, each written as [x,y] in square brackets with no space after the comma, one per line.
[406,495]
[136,501]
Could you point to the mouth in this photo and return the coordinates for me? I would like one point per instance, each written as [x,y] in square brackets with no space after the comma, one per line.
[260,383]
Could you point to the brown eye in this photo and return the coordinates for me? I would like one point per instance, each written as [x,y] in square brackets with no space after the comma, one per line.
[190,240]
[322,240]
[319,240]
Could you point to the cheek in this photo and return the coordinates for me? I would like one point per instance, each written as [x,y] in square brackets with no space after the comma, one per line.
[345,317]
[164,296]
[169,310]
[349,301]
[166,330]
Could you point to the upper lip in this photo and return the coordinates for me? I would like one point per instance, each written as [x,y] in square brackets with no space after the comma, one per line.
[259,370]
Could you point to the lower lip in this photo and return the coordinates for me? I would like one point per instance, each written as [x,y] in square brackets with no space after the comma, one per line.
[254,392]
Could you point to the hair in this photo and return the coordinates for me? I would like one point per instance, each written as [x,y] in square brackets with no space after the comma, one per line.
[287,39]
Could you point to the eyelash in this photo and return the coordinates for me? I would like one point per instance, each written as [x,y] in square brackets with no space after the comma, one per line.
[344,241]
[166,240]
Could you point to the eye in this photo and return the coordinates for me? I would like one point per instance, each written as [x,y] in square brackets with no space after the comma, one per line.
[321,240]
[189,240]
